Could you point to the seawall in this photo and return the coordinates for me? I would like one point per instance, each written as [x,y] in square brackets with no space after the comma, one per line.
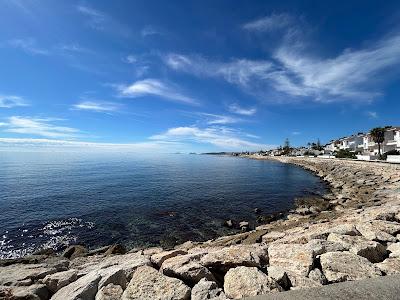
[352,233]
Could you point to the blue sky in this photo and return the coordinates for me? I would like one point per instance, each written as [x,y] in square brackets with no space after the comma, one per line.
[195,75]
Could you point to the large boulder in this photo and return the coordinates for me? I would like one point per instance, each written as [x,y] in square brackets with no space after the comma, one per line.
[342,266]
[319,246]
[83,288]
[56,281]
[297,258]
[159,258]
[149,284]
[32,292]
[371,250]
[373,234]
[237,255]
[24,274]
[243,282]
[206,289]
[110,292]
[187,268]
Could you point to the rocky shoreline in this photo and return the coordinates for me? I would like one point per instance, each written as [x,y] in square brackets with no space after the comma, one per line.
[352,233]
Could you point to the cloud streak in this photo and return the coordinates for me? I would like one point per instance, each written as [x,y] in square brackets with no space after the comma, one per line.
[11,101]
[222,137]
[269,23]
[39,127]
[28,46]
[97,106]
[237,109]
[154,87]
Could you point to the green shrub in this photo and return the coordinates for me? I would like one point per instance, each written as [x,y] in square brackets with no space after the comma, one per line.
[345,154]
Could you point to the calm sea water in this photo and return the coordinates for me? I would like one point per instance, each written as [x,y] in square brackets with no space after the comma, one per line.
[56,199]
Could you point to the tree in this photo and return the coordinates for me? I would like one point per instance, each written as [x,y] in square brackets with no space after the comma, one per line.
[378,136]
[286,147]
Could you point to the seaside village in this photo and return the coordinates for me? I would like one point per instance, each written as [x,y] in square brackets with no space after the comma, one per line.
[381,143]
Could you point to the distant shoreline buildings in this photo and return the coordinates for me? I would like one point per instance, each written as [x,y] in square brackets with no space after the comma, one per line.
[360,146]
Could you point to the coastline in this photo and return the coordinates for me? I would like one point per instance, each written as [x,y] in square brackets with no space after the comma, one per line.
[354,236]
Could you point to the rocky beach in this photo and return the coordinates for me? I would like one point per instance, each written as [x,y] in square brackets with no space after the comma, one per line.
[350,233]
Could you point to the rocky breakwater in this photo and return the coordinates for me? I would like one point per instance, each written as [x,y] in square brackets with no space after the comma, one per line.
[354,235]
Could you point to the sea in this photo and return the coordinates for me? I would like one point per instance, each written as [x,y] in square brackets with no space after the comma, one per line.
[52,200]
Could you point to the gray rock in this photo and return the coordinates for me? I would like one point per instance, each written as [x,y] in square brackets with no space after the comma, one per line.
[272,236]
[110,292]
[24,274]
[56,281]
[149,284]
[159,258]
[242,282]
[187,268]
[319,246]
[342,266]
[373,234]
[83,288]
[205,289]
[346,229]
[115,249]
[297,258]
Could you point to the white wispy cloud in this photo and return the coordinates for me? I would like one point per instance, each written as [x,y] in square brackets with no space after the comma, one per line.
[154,87]
[29,46]
[221,137]
[9,101]
[237,109]
[149,30]
[39,127]
[372,114]
[292,74]
[269,23]
[97,106]
[214,119]
[96,19]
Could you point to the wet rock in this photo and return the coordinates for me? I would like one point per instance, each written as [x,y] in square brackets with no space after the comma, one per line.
[83,288]
[257,210]
[242,282]
[109,292]
[56,281]
[244,226]
[149,284]
[74,251]
[205,289]
[238,255]
[389,266]
[159,258]
[228,223]
[115,249]
[297,258]
[342,266]
[187,268]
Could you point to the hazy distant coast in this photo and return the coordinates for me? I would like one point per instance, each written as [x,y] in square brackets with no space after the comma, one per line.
[354,235]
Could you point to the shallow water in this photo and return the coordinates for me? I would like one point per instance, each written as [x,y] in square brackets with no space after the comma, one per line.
[55,199]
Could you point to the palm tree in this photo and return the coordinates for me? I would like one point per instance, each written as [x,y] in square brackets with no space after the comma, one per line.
[378,136]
